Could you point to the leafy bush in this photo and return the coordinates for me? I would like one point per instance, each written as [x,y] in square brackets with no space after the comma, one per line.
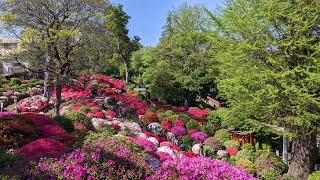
[169,113]
[244,155]
[15,81]
[116,157]
[187,142]
[184,117]
[247,146]
[2,80]
[246,165]
[208,128]
[231,143]
[16,132]
[198,168]
[268,165]
[97,136]
[7,159]
[209,152]
[222,135]
[192,124]
[77,117]
[314,176]
[214,117]
[213,142]
[65,123]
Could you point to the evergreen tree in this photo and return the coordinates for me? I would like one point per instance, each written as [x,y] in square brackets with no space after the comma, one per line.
[270,70]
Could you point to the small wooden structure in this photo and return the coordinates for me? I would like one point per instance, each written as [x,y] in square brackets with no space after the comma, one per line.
[242,136]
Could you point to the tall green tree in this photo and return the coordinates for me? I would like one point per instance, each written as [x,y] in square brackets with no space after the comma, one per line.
[123,46]
[53,31]
[270,70]
[187,45]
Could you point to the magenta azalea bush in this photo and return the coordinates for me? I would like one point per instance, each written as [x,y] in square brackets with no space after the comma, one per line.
[43,147]
[148,145]
[199,168]
[107,159]
[199,136]
[178,131]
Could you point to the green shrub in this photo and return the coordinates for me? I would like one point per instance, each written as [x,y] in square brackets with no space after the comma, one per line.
[2,80]
[7,159]
[15,81]
[222,135]
[244,155]
[192,124]
[184,117]
[208,128]
[169,113]
[65,123]
[214,117]
[161,116]
[107,128]
[247,146]
[96,136]
[209,152]
[246,165]
[214,143]
[231,144]
[269,166]
[187,142]
[314,176]
[77,117]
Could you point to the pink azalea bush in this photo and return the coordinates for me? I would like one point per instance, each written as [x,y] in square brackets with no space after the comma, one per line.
[198,168]
[178,131]
[6,114]
[179,123]
[199,136]
[232,151]
[43,147]
[33,104]
[102,160]
[148,145]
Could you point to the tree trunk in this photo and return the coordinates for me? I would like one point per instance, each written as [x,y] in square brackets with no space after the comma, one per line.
[47,81]
[58,98]
[126,71]
[303,155]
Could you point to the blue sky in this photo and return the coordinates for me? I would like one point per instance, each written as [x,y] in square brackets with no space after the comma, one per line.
[149,16]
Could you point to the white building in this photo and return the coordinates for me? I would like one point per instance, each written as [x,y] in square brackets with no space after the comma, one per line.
[11,68]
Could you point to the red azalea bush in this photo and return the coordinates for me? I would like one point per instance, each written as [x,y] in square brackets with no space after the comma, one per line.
[199,113]
[179,123]
[100,115]
[46,124]
[191,131]
[17,131]
[51,130]
[166,125]
[42,148]
[232,151]
[190,154]
[80,127]
[111,114]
